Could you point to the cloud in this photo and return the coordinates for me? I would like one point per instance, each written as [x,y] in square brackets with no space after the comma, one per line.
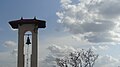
[60,51]
[106,11]
[93,19]
[14,51]
[9,44]
[8,57]
[6,60]
[107,61]
[66,1]
[94,48]
[103,47]
[57,51]
[100,48]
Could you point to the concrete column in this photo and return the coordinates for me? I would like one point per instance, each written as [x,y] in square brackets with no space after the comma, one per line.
[20,48]
[34,48]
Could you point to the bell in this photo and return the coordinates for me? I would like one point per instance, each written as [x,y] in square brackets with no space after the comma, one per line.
[28,40]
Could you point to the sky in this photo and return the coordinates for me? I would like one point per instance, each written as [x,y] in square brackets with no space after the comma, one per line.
[71,25]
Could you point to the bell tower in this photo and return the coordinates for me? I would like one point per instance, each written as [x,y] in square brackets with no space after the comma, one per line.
[24,25]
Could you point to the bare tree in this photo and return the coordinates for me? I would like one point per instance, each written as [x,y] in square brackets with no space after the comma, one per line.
[61,62]
[83,58]
[88,58]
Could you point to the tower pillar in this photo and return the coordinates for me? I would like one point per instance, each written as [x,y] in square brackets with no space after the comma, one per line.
[34,55]
[20,49]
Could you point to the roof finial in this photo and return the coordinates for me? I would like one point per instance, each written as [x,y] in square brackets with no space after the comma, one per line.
[21,18]
[35,17]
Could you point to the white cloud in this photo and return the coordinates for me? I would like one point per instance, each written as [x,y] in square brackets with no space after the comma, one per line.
[94,48]
[14,52]
[66,1]
[103,47]
[100,47]
[60,51]
[91,16]
[9,44]
[57,51]
[107,61]
[7,60]
[106,11]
